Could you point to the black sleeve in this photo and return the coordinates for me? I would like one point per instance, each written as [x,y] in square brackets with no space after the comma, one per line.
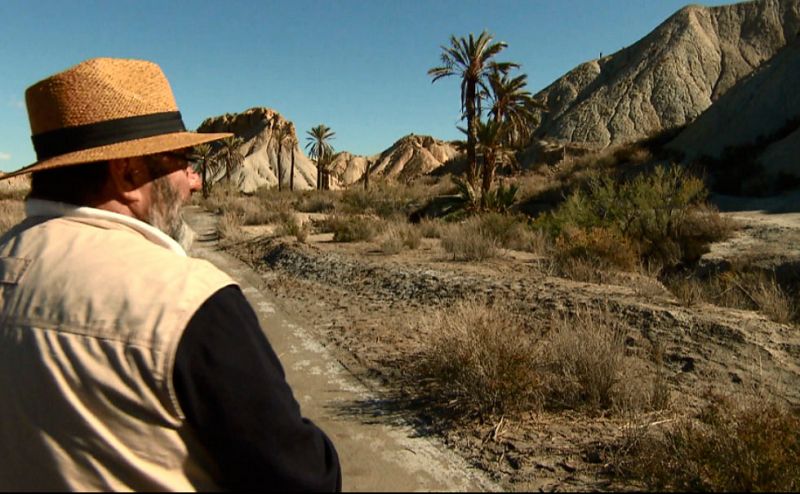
[234,393]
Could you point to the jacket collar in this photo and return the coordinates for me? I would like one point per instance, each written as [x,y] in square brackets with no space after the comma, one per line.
[52,209]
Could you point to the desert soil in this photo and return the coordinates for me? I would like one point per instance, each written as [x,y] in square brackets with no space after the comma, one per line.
[362,304]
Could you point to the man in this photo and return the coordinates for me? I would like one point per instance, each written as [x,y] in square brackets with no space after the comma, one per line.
[125,364]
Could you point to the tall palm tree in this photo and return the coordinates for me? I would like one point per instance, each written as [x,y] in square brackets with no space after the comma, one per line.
[513,104]
[281,135]
[319,148]
[471,60]
[203,153]
[231,155]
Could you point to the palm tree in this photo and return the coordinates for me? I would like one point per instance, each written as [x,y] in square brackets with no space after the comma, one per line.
[513,104]
[281,135]
[319,148]
[494,151]
[231,155]
[203,154]
[471,60]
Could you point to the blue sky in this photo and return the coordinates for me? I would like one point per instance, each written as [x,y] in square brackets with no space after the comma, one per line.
[359,66]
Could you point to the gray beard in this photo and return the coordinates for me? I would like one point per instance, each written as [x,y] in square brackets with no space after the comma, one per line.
[165,213]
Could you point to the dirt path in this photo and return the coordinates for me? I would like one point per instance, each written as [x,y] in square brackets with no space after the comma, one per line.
[378,452]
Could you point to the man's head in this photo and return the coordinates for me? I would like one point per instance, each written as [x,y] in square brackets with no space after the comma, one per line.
[107,133]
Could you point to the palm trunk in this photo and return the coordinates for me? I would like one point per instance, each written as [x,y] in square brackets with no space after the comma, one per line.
[280,149]
[366,177]
[472,137]
[204,167]
[291,173]
[488,176]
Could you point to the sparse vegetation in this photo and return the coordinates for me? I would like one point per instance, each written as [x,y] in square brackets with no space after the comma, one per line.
[468,241]
[733,445]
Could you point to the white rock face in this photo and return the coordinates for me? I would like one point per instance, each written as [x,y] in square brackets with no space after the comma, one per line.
[260,168]
[755,109]
[669,77]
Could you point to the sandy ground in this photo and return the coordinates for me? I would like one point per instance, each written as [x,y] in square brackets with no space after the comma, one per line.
[363,304]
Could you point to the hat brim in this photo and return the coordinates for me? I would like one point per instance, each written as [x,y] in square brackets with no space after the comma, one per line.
[127,149]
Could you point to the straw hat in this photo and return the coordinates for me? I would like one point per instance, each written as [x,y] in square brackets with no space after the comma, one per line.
[102,109]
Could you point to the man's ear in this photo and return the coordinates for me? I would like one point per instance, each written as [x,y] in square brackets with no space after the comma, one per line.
[127,175]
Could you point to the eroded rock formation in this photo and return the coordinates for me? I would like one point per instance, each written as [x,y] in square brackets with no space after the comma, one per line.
[256,127]
[669,77]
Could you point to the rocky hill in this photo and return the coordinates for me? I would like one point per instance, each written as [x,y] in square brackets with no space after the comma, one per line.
[256,127]
[669,77]
[763,109]
[412,156]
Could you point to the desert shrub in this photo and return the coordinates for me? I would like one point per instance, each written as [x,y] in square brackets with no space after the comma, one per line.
[11,212]
[731,446]
[597,246]
[290,226]
[479,360]
[585,355]
[741,288]
[314,201]
[662,214]
[352,228]
[385,199]
[398,237]
[587,368]
[468,241]
[229,226]
[430,228]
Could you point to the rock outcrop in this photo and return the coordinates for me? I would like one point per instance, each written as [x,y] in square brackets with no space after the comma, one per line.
[348,168]
[256,127]
[669,77]
[412,156]
[763,109]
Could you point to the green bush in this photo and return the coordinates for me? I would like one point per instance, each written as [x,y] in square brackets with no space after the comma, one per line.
[661,214]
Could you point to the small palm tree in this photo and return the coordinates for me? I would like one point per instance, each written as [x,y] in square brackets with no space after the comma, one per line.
[231,155]
[205,162]
[471,60]
[513,104]
[319,149]
[494,152]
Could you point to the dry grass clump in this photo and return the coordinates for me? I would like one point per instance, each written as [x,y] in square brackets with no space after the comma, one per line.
[748,290]
[468,241]
[352,228]
[290,226]
[430,228]
[733,445]
[400,236]
[12,211]
[485,358]
[229,226]
[587,367]
[386,199]
[315,201]
[512,231]
[479,360]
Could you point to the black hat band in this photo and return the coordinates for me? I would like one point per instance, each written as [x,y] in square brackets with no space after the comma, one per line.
[70,139]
